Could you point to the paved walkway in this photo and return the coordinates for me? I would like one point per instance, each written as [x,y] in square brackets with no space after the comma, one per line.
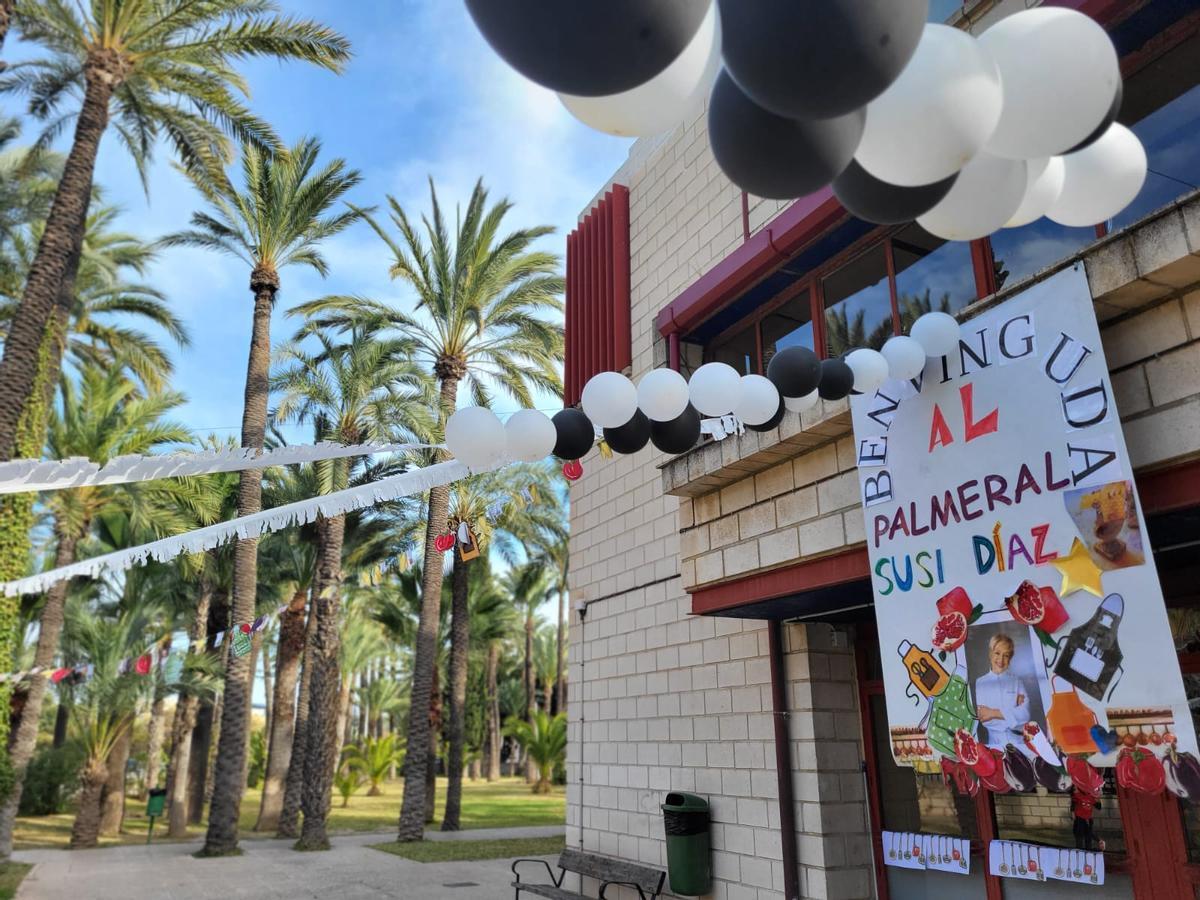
[270,870]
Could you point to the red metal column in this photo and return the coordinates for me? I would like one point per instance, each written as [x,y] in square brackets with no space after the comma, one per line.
[623,345]
[1156,846]
[569,352]
[604,211]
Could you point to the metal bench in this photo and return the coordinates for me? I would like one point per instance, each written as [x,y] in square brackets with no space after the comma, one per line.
[608,871]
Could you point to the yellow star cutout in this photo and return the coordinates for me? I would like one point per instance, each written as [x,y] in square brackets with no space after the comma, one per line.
[1078,570]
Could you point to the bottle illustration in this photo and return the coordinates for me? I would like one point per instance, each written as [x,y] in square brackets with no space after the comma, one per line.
[1092,656]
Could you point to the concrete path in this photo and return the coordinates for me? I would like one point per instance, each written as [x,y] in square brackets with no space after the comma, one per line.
[268,869]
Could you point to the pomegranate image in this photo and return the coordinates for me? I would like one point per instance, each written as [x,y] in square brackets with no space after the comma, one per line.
[955,601]
[950,631]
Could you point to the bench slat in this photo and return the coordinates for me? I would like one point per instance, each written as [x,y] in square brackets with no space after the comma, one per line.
[605,868]
[547,890]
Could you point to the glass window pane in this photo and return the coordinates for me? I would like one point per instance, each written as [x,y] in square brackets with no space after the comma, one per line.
[1169,135]
[740,351]
[858,304]
[1020,252]
[917,802]
[931,274]
[788,326]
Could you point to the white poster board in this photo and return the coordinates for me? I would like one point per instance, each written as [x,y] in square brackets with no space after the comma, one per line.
[1003,473]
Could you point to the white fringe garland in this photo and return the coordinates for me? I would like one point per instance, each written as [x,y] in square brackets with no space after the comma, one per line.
[252,526]
[20,475]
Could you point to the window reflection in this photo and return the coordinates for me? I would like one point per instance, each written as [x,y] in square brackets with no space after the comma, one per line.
[788,326]
[1019,252]
[858,304]
[931,274]
[1169,136]
[739,351]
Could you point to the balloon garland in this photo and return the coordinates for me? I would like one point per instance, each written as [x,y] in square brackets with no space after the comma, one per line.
[907,120]
[671,412]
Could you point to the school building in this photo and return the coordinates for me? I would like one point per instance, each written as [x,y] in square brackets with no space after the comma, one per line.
[722,633]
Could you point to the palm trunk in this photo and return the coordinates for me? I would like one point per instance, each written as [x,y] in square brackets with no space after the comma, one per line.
[61,721]
[6,11]
[491,751]
[198,761]
[267,698]
[412,810]
[57,254]
[324,740]
[283,720]
[345,722]
[289,816]
[112,799]
[24,741]
[229,776]
[362,704]
[560,681]
[255,649]
[530,690]
[215,740]
[460,636]
[85,832]
[154,739]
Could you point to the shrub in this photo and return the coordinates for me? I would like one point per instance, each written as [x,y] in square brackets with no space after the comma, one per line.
[51,778]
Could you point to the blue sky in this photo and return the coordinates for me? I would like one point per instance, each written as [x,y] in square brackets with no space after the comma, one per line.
[424,95]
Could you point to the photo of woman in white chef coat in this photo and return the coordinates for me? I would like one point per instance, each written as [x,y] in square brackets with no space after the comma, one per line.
[1005,682]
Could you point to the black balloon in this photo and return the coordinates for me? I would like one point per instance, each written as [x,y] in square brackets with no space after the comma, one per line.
[575,434]
[877,201]
[770,156]
[837,380]
[795,371]
[820,58]
[588,47]
[679,435]
[630,437]
[772,422]
[1109,118]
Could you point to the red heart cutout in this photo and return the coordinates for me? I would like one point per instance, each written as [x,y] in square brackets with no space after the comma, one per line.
[245,628]
[573,470]
[443,542]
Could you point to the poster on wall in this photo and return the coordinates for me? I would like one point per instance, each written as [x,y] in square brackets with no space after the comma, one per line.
[1017,600]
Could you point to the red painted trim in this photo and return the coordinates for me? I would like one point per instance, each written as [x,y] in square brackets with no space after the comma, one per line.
[816,302]
[606,284]
[985,269]
[673,350]
[985,819]
[1106,12]
[1157,850]
[623,339]
[745,217]
[805,219]
[867,689]
[852,565]
[1171,489]
[568,316]
[783,763]
[889,257]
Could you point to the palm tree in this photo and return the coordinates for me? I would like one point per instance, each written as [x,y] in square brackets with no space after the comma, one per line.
[154,70]
[348,780]
[528,586]
[278,219]
[103,418]
[479,297]
[546,663]
[545,741]
[374,758]
[363,390]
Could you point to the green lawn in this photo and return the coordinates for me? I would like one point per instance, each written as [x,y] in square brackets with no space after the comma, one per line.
[11,875]
[503,804]
[456,851]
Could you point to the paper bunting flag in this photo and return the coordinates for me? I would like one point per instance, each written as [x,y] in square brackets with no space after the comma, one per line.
[241,640]
[59,674]
[218,639]
[142,666]
[123,667]
[259,624]
[172,670]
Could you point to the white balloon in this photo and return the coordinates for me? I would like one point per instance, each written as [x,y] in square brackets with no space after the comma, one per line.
[715,389]
[476,437]
[800,404]
[662,394]
[664,101]
[936,115]
[759,401]
[870,369]
[1059,70]
[905,357]
[937,332]
[1101,180]
[530,435]
[987,193]
[609,399]
[1043,184]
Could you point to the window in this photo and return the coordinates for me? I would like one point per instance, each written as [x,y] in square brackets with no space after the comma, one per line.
[1019,252]
[1169,135]
[858,303]
[788,326]
[740,351]
[931,274]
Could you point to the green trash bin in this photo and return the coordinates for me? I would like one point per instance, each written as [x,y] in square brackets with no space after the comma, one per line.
[689,859]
